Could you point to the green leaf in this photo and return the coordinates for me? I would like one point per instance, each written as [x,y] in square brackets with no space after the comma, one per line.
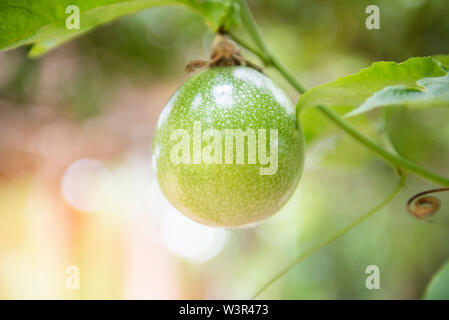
[218,13]
[433,92]
[354,90]
[43,22]
[443,58]
[438,287]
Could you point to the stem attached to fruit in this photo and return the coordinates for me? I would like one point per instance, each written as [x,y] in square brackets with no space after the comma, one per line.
[337,235]
[224,53]
[269,59]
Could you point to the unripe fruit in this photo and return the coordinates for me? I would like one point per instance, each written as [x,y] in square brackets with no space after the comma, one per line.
[201,171]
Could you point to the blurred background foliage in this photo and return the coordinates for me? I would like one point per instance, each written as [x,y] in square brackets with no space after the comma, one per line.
[76,186]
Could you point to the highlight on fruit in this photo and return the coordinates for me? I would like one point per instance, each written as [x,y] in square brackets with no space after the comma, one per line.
[228,151]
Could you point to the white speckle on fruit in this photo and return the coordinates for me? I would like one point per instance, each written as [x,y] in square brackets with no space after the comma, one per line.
[280,97]
[249,75]
[222,95]
[197,101]
[167,109]
[255,78]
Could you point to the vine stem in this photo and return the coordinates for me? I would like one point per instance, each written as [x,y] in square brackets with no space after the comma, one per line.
[270,59]
[334,237]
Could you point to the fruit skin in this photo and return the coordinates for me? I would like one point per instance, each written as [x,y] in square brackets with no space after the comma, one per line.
[229,195]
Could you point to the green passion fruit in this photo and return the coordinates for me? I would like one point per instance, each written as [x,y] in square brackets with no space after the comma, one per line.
[228,151]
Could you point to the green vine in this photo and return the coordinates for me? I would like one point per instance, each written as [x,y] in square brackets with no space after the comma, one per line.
[402,164]
[271,60]
[335,236]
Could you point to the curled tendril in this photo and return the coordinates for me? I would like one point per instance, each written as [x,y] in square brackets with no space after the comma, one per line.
[423,206]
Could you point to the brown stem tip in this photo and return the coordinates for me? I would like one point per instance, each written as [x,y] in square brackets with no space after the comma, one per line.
[225,53]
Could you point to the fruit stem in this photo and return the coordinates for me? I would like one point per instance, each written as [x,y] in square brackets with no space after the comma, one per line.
[261,55]
[337,235]
[271,60]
